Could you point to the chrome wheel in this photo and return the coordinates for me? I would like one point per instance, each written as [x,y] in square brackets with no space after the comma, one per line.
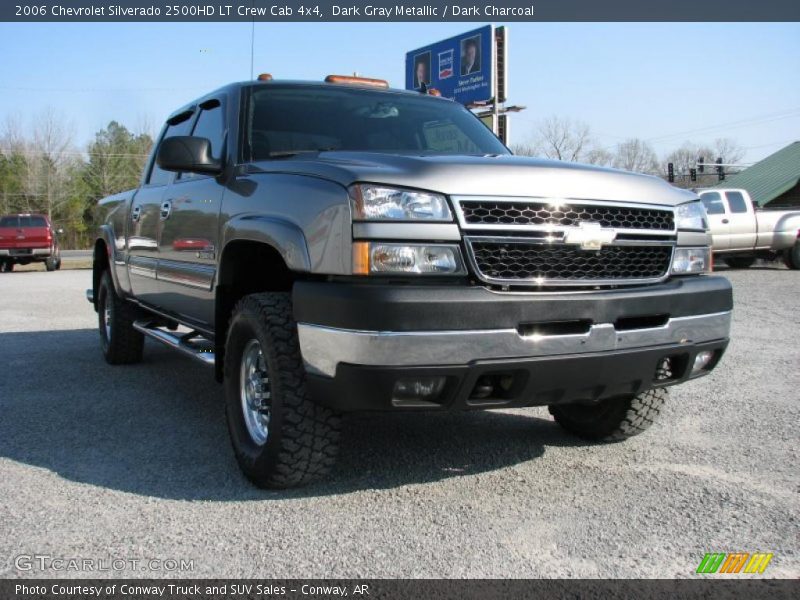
[106,316]
[255,392]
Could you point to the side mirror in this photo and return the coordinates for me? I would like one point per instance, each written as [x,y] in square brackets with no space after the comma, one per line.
[187,153]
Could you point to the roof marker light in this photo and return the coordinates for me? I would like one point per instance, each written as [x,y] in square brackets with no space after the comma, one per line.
[348,80]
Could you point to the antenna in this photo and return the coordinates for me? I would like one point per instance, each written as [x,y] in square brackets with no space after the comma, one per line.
[252,38]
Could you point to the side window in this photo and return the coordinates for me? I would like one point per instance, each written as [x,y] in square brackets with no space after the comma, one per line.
[210,125]
[713,203]
[159,176]
[736,202]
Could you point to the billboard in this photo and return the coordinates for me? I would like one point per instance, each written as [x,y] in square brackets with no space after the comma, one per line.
[460,67]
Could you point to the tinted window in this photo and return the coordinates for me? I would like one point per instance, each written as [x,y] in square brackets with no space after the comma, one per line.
[209,125]
[159,176]
[337,118]
[23,222]
[736,202]
[713,203]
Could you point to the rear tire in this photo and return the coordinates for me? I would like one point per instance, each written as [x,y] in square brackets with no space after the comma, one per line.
[50,264]
[6,266]
[791,256]
[281,438]
[740,262]
[611,420]
[120,342]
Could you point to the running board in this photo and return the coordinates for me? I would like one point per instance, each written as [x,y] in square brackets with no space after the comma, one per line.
[192,343]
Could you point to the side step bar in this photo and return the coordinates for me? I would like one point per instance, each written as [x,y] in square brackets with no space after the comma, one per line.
[191,344]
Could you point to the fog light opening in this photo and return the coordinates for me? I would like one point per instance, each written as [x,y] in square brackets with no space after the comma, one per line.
[702,360]
[418,391]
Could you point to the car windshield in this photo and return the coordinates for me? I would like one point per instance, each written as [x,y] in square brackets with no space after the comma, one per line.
[289,120]
[24,221]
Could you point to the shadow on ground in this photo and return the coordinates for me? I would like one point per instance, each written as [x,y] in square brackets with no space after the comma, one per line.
[158,429]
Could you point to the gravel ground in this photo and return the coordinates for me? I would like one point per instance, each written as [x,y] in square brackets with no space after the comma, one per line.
[134,463]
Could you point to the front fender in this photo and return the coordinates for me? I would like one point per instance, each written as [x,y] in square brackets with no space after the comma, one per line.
[286,237]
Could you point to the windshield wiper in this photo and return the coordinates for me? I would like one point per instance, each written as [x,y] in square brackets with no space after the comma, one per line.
[290,153]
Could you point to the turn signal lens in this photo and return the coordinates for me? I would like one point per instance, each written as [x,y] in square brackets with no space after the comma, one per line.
[691,260]
[371,258]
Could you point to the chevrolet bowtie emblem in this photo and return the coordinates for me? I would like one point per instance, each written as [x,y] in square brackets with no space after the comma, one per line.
[589,236]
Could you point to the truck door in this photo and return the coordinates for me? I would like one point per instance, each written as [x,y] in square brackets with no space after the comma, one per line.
[718,220]
[189,222]
[144,219]
[742,222]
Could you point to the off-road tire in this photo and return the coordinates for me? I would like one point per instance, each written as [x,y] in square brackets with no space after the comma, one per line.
[302,442]
[740,262]
[791,256]
[125,344]
[612,420]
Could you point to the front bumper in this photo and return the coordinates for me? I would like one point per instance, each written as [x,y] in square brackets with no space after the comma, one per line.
[553,347]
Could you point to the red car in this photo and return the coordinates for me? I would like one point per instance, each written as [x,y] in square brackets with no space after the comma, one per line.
[27,238]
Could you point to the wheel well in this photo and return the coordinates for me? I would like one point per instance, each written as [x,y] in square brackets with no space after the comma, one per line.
[99,264]
[246,267]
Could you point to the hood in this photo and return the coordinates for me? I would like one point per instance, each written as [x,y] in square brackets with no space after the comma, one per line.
[496,175]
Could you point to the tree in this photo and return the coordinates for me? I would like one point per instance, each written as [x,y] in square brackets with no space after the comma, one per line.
[636,155]
[564,139]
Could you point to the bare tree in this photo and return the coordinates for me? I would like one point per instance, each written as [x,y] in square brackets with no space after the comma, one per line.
[728,150]
[564,139]
[636,155]
[598,156]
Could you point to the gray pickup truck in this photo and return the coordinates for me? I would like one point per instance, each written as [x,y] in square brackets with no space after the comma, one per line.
[329,247]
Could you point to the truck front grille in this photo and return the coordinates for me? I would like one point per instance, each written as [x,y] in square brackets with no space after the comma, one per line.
[521,262]
[538,213]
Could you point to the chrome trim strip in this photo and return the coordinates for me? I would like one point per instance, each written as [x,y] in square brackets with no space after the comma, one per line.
[144,267]
[457,200]
[562,282]
[447,232]
[192,275]
[323,348]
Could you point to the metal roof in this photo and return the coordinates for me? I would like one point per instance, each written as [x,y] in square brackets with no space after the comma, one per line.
[769,178]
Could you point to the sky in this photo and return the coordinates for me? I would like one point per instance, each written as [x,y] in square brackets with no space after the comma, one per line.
[663,82]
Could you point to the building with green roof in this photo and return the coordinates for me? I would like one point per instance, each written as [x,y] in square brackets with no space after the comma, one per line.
[773,182]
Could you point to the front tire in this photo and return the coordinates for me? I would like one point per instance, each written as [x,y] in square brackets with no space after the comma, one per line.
[281,438]
[51,264]
[611,420]
[120,342]
[791,256]
[740,262]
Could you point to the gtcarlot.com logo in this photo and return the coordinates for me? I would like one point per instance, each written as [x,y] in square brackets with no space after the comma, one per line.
[46,562]
[734,562]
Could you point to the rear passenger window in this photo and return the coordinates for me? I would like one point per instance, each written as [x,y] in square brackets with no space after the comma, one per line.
[713,203]
[736,202]
[209,125]
[180,126]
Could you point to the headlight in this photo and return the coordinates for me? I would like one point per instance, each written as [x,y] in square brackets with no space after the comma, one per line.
[372,258]
[691,260]
[691,215]
[379,203]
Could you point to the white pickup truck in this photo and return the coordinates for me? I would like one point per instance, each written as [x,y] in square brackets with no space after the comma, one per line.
[742,233]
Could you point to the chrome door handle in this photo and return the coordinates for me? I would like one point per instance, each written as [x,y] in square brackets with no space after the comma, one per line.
[725,221]
[166,210]
[136,213]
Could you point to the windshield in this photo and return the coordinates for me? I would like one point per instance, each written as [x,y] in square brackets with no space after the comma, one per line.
[296,119]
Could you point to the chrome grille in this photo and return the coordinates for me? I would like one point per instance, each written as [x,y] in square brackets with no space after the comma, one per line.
[524,261]
[489,212]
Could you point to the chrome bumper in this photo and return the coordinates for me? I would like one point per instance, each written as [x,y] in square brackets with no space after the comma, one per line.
[323,348]
[34,252]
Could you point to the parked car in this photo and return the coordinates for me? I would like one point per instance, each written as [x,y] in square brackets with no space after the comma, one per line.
[27,238]
[742,233]
[340,246]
